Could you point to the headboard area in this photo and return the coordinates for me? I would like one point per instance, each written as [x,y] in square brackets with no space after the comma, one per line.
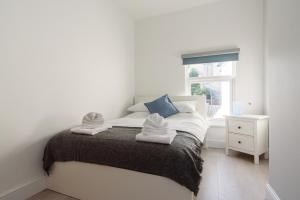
[201,101]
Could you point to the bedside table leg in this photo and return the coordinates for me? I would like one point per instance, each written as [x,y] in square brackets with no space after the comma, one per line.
[256,159]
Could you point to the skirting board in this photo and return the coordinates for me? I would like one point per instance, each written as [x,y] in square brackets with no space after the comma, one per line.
[270,193]
[215,144]
[26,190]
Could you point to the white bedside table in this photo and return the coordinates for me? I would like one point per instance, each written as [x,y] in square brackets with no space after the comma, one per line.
[248,134]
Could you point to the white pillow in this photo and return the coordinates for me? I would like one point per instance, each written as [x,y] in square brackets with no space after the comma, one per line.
[186,106]
[139,107]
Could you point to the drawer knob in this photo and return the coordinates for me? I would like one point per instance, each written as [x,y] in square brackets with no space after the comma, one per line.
[239,127]
[240,142]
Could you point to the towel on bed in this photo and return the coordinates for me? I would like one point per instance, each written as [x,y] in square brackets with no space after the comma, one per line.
[155,121]
[155,129]
[90,131]
[92,120]
[163,139]
[92,123]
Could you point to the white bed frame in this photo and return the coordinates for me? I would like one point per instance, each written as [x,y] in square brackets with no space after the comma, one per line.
[98,182]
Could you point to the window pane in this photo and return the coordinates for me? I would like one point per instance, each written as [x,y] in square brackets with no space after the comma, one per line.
[211,69]
[217,96]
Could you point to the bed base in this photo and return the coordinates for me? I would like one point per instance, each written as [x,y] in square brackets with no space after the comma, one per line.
[96,182]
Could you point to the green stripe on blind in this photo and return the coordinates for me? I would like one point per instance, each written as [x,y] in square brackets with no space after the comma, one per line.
[211,57]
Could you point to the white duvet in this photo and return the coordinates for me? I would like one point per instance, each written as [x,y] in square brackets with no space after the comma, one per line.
[192,123]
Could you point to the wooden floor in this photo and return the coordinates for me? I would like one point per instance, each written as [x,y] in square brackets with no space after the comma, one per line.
[232,177]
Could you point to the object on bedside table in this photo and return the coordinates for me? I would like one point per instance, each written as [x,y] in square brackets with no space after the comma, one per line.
[248,134]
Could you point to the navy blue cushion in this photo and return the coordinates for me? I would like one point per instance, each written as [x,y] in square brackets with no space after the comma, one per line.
[163,106]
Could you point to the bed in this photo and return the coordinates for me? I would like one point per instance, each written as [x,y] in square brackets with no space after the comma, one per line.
[84,178]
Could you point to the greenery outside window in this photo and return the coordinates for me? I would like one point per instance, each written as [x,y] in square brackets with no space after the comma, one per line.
[215,80]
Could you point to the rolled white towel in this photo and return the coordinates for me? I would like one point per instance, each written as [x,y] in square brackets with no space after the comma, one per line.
[155,121]
[92,120]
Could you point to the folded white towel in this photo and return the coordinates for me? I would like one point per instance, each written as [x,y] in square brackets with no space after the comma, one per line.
[92,120]
[155,121]
[156,131]
[163,139]
[90,131]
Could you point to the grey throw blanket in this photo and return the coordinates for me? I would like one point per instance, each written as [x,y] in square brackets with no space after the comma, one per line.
[117,147]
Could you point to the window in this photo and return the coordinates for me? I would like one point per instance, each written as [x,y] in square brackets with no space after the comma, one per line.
[215,80]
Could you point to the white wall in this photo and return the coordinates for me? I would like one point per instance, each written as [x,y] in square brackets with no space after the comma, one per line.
[59,59]
[283,69]
[160,41]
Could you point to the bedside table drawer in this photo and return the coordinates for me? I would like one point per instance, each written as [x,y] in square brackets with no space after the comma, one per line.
[242,127]
[241,142]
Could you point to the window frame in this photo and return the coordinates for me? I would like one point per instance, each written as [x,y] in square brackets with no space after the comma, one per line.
[230,78]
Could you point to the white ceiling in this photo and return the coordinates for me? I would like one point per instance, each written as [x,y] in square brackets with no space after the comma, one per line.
[140,9]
